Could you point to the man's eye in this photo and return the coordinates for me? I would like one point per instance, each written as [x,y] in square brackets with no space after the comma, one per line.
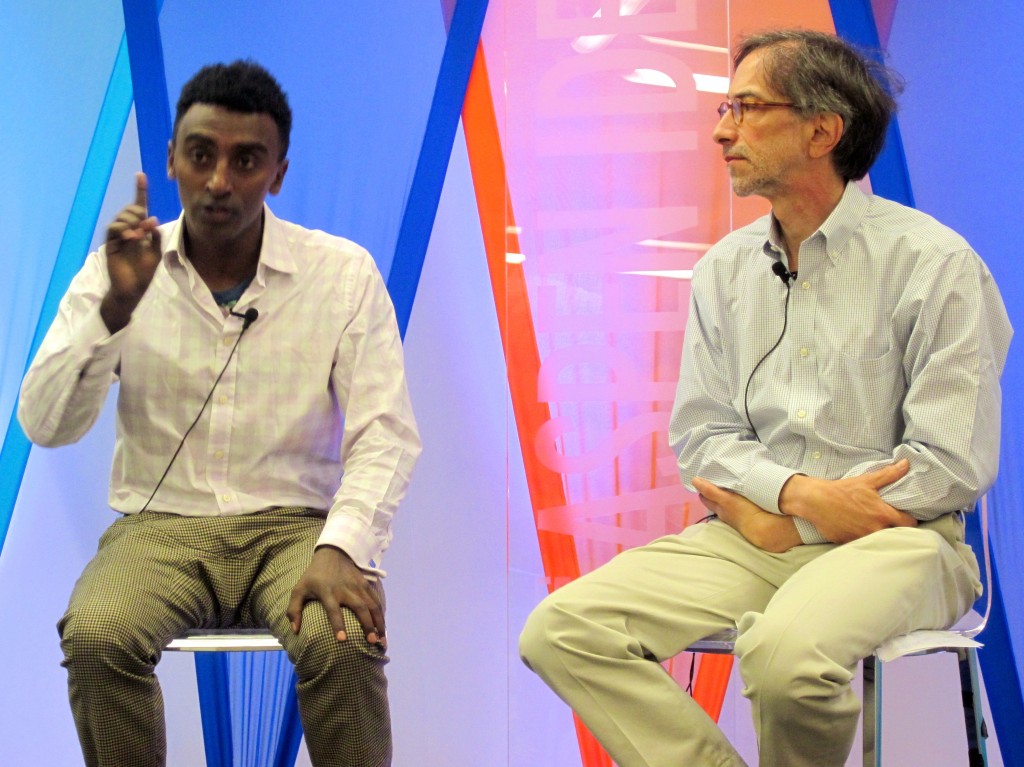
[199,156]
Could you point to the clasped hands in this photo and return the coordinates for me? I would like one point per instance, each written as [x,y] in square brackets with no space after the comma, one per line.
[842,510]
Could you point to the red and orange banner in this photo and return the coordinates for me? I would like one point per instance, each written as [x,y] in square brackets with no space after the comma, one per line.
[599,187]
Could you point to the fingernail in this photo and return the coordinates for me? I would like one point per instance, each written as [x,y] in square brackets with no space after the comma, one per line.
[372,638]
[341,637]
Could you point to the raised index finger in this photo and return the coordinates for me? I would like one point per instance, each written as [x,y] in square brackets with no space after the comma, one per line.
[142,191]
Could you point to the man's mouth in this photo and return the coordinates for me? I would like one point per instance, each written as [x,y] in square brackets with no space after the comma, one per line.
[218,212]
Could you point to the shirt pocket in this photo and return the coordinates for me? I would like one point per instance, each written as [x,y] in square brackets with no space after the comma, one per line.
[865,398]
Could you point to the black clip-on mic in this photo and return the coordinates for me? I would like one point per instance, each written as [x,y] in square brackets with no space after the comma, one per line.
[782,273]
[251,315]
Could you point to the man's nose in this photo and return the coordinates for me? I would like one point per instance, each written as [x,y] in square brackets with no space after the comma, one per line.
[219,181]
[725,129]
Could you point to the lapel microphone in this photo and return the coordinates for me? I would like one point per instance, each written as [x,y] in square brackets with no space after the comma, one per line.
[251,315]
[778,268]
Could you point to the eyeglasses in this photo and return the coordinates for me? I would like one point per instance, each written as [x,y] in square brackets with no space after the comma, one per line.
[740,107]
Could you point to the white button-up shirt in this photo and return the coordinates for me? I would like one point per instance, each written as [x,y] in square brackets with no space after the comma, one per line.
[312,409]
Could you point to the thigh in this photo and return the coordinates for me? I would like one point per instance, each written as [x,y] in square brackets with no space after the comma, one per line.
[284,561]
[141,583]
[676,590]
[292,535]
[850,600]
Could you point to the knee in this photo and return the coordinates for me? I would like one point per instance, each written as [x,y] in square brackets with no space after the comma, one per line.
[104,638]
[781,666]
[534,640]
[317,650]
[555,628]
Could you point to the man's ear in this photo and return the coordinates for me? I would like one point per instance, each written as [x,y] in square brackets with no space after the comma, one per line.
[170,159]
[282,168]
[827,131]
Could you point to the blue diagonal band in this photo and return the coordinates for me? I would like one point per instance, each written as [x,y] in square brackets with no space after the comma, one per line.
[425,191]
[855,21]
[85,210]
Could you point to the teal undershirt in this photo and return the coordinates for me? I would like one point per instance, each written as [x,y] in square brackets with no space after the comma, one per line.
[228,298]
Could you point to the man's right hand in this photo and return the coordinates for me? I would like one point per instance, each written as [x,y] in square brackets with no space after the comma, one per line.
[844,510]
[133,253]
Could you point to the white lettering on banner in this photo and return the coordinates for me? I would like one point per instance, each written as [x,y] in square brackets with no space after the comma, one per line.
[574,137]
[683,16]
[610,340]
[628,384]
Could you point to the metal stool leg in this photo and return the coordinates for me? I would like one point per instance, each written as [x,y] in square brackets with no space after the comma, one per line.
[974,719]
[872,706]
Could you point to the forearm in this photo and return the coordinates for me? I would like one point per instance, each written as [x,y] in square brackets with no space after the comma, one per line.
[381,442]
[67,384]
[937,483]
[952,408]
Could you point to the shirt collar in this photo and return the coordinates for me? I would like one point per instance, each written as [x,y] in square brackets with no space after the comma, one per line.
[274,251]
[837,229]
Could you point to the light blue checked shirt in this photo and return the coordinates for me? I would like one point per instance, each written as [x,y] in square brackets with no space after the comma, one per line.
[895,341]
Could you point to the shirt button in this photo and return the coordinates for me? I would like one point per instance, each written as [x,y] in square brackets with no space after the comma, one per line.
[801,413]
[805,285]
[223,399]
[227,342]
[226,497]
[804,352]
[816,455]
[219,454]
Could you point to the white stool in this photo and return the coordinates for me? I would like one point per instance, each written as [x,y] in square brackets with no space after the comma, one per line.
[723,643]
[214,698]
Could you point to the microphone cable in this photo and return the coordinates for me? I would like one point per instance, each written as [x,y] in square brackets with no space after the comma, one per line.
[785,275]
[248,318]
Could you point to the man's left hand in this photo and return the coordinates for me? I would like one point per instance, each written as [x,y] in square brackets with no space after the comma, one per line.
[334,580]
[772,532]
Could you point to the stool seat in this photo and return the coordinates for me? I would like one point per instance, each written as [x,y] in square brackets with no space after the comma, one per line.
[215,696]
[225,640]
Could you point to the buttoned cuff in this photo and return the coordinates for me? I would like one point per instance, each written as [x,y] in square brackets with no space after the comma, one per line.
[808,532]
[764,483]
[354,538]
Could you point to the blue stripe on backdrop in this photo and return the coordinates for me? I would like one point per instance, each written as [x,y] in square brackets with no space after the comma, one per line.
[890,177]
[78,232]
[152,110]
[855,21]
[425,192]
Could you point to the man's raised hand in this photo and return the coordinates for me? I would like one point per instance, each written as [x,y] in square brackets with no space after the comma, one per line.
[133,253]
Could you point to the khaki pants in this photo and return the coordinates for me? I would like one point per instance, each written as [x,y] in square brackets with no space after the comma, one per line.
[805,619]
[157,575]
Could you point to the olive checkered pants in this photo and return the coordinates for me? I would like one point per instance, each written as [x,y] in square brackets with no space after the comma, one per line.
[157,575]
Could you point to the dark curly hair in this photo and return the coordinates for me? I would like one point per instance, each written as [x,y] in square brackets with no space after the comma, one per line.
[822,73]
[242,86]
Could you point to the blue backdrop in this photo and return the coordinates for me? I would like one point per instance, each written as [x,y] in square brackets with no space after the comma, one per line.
[363,80]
